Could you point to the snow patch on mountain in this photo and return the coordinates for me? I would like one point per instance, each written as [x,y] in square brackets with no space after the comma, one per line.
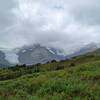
[51,51]
[23,51]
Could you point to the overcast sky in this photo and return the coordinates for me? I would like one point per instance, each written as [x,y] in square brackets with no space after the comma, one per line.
[65,24]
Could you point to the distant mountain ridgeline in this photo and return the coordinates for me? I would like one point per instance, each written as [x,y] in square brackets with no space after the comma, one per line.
[84,50]
[39,54]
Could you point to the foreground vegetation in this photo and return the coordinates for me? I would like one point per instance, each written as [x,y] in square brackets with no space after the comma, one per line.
[75,79]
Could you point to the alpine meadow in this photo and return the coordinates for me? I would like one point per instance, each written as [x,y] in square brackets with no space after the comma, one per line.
[50,50]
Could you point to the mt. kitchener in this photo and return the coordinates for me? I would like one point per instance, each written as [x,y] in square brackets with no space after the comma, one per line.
[39,54]
[29,55]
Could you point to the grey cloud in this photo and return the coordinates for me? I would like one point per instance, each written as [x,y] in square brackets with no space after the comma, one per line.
[87,11]
[66,24]
[6,17]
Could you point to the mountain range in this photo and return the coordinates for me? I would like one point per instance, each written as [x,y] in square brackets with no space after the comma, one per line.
[89,48]
[40,54]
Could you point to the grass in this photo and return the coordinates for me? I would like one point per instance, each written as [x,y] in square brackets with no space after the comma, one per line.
[75,79]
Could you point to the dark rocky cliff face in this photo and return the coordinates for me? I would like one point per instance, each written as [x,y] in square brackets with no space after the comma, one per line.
[35,54]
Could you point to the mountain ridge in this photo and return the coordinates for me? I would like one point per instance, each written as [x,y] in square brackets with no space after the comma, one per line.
[34,54]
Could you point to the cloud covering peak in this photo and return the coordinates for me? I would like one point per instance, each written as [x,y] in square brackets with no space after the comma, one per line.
[63,24]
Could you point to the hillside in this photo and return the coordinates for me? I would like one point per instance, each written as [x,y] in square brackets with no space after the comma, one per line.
[74,79]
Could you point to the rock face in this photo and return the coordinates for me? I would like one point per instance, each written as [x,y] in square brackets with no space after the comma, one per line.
[3,61]
[36,54]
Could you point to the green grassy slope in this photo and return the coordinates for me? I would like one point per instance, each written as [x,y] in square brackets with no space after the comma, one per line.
[75,79]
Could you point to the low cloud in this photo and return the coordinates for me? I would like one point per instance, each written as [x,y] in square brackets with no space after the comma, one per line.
[63,24]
